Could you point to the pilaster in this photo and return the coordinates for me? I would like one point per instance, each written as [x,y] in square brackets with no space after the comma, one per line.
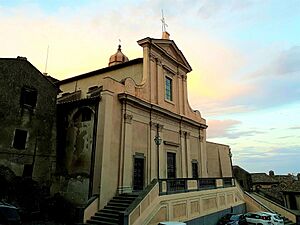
[188,155]
[103,144]
[160,83]
[153,163]
[128,167]
[183,154]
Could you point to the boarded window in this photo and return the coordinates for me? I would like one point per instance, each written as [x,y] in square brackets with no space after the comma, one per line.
[20,139]
[168,89]
[28,97]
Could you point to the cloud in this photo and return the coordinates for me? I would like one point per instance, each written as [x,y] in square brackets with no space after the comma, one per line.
[287,62]
[275,83]
[295,128]
[212,8]
[220,128]
[282,160]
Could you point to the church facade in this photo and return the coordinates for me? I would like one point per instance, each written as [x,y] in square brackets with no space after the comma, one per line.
[126,125]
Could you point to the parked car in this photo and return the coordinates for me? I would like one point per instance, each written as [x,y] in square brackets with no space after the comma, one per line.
[258,218]
[9,214]
[171,223]
[232,219]
[275,218]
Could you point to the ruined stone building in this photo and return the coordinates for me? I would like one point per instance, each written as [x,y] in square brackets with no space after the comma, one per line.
[27,121]
[128,128]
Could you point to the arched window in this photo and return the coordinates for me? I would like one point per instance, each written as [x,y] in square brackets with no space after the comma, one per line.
[83,115]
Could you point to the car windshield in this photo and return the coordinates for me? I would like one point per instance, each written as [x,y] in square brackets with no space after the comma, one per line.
[10,214]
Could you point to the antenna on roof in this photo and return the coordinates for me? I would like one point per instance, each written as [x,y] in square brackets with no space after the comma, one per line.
[46,64]
[164,25]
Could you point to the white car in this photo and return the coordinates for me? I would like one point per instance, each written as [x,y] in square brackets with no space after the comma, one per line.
[275,218]
[258,218]
[171,223]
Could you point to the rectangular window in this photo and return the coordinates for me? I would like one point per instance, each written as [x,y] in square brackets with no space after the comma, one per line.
[20,139]
[195,169]
[168,89]
[28,97]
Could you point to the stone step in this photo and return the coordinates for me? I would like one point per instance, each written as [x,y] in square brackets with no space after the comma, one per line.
[105,219]
[96,222]
[116,208]
[118,204]
[109,215]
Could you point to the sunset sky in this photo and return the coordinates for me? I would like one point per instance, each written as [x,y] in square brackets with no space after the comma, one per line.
[245,56]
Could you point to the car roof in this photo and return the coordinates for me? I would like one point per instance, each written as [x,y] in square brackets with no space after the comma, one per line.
[6,205]
[268,213]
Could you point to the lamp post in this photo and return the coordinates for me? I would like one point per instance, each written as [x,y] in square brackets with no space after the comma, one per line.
[158,141]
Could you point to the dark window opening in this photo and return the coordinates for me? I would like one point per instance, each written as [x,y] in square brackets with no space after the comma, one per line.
[27,172]
[86,115]
[195,169]
[20,139]
[168,89]
[28,97]
[82,115]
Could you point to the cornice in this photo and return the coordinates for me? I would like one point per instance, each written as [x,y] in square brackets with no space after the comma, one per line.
[136,101]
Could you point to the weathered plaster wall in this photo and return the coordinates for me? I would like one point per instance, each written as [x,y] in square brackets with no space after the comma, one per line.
[75,149]
[40,123]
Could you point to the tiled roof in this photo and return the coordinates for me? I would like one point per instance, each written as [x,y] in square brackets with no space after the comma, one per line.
[262,178]
[294,187]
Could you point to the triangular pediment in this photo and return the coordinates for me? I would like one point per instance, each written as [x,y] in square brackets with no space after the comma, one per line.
[171,51]
[169,48]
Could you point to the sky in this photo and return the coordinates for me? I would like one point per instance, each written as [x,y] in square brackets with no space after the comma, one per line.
[245,56]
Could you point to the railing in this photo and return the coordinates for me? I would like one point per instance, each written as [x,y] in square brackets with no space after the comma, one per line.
[292,215]
[138,206]
[91,208]
[179,185]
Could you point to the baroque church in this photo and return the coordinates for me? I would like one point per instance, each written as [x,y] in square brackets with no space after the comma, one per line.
[130,145]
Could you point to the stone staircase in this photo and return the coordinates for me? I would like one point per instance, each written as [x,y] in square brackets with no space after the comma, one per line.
[110,214]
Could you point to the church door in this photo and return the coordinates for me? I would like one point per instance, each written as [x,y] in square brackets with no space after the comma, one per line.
[138,174]
[171,165]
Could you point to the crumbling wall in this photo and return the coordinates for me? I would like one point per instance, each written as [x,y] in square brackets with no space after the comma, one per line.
[75,151]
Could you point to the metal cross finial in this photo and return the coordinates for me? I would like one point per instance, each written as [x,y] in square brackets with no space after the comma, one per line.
[119,47]
[164,25]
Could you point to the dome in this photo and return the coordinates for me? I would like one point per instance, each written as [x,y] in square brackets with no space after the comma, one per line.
[117,58]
